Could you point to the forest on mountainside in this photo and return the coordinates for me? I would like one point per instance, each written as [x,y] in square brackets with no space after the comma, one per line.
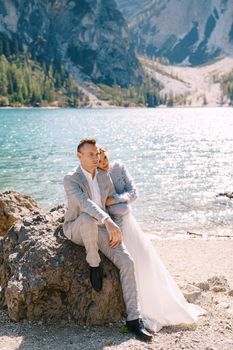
[25,82]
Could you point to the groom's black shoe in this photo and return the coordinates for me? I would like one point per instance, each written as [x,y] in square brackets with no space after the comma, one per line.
[137,327]
[96,278]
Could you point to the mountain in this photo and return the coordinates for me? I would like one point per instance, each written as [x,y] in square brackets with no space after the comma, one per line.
[185,31]
[90,37]
[206,85]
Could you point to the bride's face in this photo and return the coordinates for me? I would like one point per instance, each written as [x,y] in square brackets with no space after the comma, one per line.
[103,161]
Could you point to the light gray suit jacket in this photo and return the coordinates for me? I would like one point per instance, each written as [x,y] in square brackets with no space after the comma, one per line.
[79,196]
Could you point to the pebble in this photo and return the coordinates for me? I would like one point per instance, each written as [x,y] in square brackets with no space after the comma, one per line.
[223,305]
[218,289]
[203,285]
[108,342]
[196,340]
[191,293]
[228,327]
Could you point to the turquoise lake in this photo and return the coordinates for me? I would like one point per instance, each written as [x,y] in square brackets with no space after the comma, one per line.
[180,159]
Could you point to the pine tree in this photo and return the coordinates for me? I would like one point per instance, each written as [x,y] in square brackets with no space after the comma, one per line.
[36,94]
[3,76]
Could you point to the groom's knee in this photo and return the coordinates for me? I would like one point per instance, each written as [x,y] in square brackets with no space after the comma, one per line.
[87,220]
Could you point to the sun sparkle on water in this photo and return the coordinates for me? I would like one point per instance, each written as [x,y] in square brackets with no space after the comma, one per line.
[180,159]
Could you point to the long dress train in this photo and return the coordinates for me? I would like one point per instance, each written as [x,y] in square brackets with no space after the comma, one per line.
[161,301]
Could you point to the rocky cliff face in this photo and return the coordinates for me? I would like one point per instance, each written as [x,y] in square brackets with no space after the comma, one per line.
[90,37]
[185,31]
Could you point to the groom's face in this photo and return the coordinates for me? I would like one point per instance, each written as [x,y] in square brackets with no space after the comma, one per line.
[89,157]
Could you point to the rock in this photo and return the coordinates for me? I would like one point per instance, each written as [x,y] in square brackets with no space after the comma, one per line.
[228,327]
[203,286]
[230,293]
[14,206]
[218,284]
[226,194]
[191,293]
[218,289]
[45,276]
[223,305]
[196,340]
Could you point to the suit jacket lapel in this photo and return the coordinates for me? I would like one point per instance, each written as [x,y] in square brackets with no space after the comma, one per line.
[83,180]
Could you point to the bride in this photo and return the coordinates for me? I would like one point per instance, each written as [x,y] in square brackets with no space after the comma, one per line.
[161,301]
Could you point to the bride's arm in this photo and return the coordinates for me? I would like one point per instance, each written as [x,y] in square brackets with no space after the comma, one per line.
[130,193]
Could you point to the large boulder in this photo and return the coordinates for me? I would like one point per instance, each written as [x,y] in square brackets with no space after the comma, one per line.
[44,275]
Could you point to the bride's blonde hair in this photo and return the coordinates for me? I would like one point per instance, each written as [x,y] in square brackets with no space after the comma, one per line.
[102,150]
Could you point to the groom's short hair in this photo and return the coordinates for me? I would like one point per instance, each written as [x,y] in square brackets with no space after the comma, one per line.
[84,141]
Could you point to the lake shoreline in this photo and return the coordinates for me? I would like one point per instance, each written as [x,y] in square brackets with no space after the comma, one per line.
[118,107]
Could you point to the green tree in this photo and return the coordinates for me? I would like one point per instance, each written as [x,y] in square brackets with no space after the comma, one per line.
[3,75]
[36,94]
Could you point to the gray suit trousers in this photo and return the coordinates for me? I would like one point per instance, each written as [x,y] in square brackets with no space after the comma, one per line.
[85,231]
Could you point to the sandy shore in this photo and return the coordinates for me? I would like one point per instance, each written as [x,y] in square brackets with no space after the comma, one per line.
[189,261]
[194,260]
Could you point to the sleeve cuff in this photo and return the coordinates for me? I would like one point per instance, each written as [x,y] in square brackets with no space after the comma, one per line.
[119,198]
[104,218]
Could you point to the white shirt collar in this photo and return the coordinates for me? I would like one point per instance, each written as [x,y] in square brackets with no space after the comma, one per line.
[87,174]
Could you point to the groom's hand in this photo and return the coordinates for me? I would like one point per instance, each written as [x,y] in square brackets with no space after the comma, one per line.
[114,233]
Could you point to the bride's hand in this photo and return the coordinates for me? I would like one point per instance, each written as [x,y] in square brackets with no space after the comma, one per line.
[110,201]
[114,233]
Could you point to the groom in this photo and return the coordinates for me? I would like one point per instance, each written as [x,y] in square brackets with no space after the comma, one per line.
[87,223]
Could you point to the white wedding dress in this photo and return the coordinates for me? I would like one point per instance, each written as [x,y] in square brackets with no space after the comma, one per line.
[161,301]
